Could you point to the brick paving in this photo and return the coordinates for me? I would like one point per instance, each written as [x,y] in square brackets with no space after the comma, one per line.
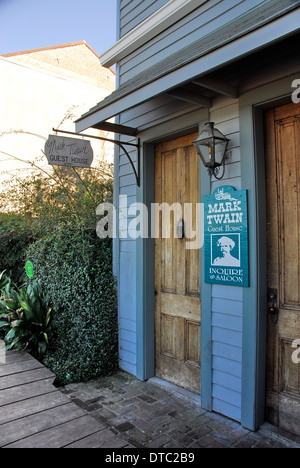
[153,414]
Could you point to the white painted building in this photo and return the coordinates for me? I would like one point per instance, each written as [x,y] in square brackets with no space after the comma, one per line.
[47,88]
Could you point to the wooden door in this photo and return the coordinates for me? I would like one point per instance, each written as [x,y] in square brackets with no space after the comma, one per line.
[282,134]
[177,267]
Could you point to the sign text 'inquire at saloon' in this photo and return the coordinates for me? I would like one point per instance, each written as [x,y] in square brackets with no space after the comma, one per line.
[226,237]
[63,151]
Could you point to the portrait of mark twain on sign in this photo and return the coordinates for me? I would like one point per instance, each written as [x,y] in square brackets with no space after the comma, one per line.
[226,246]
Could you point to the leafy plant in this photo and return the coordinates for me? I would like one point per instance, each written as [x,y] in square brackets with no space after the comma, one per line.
[35,207]
[75,267]
[25,318]
[4,280]
[50,219]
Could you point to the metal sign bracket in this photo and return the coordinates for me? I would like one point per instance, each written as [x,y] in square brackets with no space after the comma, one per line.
[121,145]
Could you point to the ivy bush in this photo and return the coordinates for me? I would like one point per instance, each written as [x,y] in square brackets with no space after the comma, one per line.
[73,266]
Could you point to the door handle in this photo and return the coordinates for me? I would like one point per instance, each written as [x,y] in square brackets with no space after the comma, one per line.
[180,229]
[273,304]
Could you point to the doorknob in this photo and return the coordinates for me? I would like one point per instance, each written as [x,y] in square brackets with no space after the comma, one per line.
[273,306]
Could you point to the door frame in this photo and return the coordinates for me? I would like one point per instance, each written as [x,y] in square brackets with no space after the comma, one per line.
[145,248]
[252,106]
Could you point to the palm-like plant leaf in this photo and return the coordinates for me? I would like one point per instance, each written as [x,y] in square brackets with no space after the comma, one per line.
[25,317]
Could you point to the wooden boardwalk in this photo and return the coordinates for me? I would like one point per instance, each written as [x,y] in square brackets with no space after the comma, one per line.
[35,414]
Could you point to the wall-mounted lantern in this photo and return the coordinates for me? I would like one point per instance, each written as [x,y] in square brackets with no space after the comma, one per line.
[211,146]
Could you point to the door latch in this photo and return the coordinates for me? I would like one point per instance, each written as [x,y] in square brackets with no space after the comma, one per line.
[273,304]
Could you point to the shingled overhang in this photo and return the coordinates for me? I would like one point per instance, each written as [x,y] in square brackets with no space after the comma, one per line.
[265,24]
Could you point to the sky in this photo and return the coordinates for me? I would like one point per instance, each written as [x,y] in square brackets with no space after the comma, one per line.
[32,24]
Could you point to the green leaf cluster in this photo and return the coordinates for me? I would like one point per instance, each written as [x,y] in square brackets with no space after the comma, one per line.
[25,317]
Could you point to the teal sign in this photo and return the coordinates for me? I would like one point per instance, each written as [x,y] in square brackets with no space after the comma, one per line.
[226,237]
[29,269]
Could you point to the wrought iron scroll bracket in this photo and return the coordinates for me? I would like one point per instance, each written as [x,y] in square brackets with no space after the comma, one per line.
[121,144]
[136,170]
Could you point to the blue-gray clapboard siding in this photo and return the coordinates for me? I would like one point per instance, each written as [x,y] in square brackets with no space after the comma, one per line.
[226,301]
[127,269]
[155,112]
[134,12]
[202,21]
[227,306]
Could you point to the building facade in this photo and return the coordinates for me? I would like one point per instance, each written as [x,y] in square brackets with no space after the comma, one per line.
[183,315]
[44,89]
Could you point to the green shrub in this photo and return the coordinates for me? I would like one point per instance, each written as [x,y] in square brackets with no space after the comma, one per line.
[75,268]
[51,221]
[15,237]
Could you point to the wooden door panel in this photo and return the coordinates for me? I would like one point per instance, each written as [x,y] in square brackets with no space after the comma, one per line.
[289,375]
[181,305]
[282,130]
[192,343]
[177,268]
[168,335]
[168,247]
[287,143]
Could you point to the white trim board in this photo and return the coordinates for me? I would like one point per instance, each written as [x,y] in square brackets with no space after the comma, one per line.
[162,19]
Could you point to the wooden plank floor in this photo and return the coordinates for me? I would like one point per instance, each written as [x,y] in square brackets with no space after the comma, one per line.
[35,414]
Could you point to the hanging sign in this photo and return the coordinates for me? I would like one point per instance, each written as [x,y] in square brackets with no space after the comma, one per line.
[226,237]
[63,151]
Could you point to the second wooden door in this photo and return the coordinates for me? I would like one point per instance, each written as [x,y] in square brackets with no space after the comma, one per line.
[282,132]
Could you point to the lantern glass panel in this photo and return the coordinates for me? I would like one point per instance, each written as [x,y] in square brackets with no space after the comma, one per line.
[211,145]
[220,148]
[206,150]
